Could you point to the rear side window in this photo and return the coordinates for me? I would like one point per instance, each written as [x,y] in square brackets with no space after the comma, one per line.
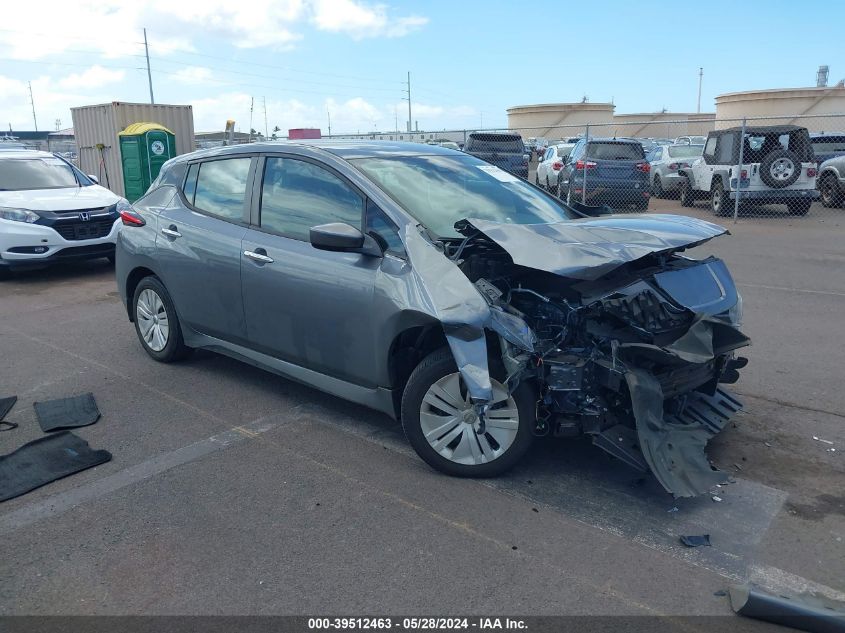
[710,147]
[615,151]
[297,195]
[173,175]
[725,149]
[221,187]
[191,182]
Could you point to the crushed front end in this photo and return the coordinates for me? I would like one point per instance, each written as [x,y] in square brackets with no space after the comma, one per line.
[634,356]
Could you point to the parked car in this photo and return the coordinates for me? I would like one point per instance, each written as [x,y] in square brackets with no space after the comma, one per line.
[607,171]
[690,140]
[777,168]
[501,149]
[648,144]
[666,161]
[550,164]
[831,181]
[439,289]
[827,146]
[51,212]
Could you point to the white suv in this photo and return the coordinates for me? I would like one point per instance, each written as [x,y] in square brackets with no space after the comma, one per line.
[50,211]
[777,167]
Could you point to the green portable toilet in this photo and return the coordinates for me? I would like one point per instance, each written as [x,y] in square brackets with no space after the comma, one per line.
[144,148]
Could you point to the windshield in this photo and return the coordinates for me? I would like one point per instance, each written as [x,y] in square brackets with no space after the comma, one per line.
[440,190]
[495,143]
[685,151]
[17,174]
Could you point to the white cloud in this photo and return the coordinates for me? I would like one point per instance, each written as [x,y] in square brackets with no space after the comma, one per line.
[361,20]
[191,75]
[93,77]
[211,114]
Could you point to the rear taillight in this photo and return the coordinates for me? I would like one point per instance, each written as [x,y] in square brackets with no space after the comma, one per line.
[674,166]
[684,165]
[557,165]
[584,164]
[743,174]
[131,218]
[643,167]
[811,171]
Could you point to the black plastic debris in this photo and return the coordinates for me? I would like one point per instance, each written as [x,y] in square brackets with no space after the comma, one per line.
[807,613]
[696,540]
[44,460]
[67,413]
[6,405]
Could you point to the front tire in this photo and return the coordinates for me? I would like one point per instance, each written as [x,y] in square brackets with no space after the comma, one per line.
[831,194]
[441,425]
[156,322]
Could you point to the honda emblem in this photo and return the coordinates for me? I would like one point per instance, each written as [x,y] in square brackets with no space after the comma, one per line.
[84,216]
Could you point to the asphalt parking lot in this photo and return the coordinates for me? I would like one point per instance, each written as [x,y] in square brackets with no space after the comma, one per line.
[234,491]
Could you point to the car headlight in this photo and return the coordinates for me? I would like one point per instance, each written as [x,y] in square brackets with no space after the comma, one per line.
[735,313]
[18,215]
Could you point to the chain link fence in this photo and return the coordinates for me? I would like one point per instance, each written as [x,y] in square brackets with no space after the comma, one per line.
[785,166]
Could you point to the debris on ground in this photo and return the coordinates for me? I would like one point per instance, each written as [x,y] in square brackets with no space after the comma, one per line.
[715,498]
[67,413]
[804,612]
[674,509]
[696,540]
[818,439]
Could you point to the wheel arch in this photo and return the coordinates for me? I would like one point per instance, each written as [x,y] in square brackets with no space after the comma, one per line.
[409,346]
[132,280]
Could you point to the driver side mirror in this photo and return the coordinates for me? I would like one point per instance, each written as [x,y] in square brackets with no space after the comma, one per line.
[93,179]
[344,238]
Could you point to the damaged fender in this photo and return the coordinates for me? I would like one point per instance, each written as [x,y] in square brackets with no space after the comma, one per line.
[453,300]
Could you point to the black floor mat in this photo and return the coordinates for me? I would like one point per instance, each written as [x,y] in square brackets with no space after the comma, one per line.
[67,413]
[44,460]
[6,405]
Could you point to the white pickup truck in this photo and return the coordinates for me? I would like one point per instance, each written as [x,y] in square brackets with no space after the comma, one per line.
[777,167]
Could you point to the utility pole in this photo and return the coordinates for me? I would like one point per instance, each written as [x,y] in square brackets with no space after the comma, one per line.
[32,101]
[329,115]
[149,74]
[700,76]
[410,128]
[266,129]
[251,106]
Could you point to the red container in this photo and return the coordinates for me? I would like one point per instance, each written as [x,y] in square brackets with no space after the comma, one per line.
[304,132]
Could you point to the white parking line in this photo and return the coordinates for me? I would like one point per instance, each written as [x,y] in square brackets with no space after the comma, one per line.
[787,289]
[67,500]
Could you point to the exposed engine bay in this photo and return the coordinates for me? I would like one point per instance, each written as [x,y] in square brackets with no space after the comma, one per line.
[633,354]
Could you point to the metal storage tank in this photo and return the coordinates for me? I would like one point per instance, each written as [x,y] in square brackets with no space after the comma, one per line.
[663,124]
[786,106]
[542,119]
[144,148]
[97,127]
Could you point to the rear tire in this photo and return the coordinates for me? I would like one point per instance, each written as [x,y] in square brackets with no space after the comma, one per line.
[657,188]
[799,207]
[552,189]
[156,322]
[686,195]
[440,365]
[537,180]
[717,199]
[831,194]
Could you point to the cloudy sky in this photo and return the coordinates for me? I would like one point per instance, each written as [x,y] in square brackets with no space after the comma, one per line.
[469,59]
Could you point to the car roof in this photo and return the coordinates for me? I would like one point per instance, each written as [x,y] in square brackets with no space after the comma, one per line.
[596,139]
[24,153]
[765,129]
[341,148]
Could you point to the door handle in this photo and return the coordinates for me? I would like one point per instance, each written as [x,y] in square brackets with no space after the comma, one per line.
[171,231]
[259,255]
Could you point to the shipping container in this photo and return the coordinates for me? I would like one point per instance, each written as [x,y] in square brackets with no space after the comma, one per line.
[304,132]
[97,127]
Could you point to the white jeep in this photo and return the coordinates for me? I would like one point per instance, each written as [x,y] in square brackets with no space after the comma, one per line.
[777,167]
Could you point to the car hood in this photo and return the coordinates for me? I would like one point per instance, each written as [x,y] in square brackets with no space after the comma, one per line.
[589,248]
[64,199]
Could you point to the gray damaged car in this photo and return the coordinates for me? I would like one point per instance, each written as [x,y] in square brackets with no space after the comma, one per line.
[446,292]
